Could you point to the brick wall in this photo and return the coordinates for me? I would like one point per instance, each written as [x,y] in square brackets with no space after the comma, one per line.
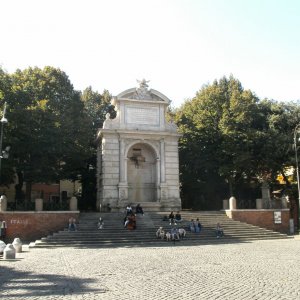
[30,226]
[262,217]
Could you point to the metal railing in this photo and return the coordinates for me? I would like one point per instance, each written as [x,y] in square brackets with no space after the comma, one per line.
[246,204]
[22,205]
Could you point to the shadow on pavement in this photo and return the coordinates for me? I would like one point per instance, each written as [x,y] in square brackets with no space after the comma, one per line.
[26,284]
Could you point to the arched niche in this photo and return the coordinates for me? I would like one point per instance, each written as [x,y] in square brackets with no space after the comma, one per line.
[142,173]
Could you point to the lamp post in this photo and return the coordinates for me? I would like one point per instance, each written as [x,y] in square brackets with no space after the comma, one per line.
[3,121]
[296,130]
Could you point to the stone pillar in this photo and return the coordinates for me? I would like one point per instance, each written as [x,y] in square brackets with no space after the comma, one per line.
[232,203]
[292,226]
[9,252]
[3,203]
[125,169]
[17,245]
[38,204]
[73,203]
[225,204]
[158,197]
[259,204]
[265,193]
[122,161]
[162,161]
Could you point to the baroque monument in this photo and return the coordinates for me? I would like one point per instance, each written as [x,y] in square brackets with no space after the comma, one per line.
[137,156]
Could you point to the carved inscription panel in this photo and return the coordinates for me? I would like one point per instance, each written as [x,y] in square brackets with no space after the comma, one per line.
[140,115]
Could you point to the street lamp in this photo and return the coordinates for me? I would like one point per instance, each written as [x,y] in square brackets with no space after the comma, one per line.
[296,130]
[3,121]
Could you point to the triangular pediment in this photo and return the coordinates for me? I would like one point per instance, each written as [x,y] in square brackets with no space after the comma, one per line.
[143,95]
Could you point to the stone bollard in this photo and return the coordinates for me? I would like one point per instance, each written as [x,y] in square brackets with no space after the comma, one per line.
[3,203]
[225,204]
[259,204]
[39,204]
[292,226]
[232,203]
[73,203]
[17,245]
[9,252]
[2,246]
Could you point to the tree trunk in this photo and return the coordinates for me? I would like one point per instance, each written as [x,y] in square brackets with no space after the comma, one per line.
[18,187]
[28,193]
[230,187]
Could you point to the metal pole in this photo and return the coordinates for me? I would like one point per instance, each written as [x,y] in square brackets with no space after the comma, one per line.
[297,171]
[3,121]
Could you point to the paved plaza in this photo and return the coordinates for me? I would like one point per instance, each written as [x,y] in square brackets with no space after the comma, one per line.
[254,270]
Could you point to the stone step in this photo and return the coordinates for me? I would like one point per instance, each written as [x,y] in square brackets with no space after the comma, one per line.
[114,233]
[128,243]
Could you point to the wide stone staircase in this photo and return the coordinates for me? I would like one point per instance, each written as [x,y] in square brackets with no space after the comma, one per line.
[115,235]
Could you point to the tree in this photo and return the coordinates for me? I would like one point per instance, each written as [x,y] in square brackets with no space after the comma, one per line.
[96,106]
[48,126]
[231,140]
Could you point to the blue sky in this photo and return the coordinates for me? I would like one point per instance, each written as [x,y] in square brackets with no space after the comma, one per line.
[179,45]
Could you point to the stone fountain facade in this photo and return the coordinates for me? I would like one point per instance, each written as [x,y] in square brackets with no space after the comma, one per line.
[137,159]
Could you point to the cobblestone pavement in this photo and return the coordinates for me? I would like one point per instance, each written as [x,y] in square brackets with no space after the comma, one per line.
[256,270]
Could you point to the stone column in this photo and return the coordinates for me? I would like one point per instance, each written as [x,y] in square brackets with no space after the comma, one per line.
[3,203]
[39,204]
[265,192]
[232,203]
[162,161]
[122,161]
[125,169]
[157,179]
[73,203]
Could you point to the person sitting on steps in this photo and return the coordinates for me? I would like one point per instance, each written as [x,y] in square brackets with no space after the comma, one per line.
[128,210]
[100,223]
[72,224]
[178,217]
[219,231]
[197,226]
[171,218]
[192,226]
[174,234]
[139,210]
[130,222]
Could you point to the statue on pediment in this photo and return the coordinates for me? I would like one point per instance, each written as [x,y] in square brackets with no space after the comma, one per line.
[142,91]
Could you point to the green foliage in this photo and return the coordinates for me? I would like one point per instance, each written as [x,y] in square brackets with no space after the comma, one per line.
[48,126]
[96,107]
[231,141]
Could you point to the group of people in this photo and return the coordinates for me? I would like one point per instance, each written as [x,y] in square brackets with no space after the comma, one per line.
[130,216]
[130,223]
[195,226]
[174,219]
